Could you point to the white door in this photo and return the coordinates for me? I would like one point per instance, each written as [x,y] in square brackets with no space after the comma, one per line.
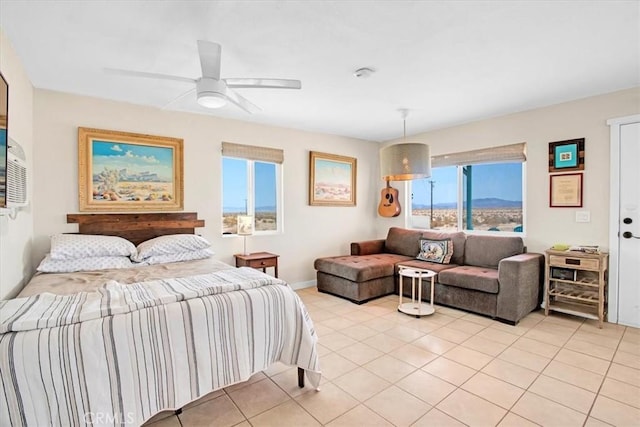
[629,226]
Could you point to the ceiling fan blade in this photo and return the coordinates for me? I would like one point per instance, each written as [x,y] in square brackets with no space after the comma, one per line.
[210,59]
[131,73]
[263,83]
[177,98]
[241,102]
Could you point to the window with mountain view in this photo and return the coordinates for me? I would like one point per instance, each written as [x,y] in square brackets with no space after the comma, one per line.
[250,187]
[485,196]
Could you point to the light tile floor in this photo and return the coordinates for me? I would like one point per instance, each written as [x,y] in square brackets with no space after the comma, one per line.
[384,368]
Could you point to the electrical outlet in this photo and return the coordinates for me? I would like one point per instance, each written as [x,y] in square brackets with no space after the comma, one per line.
[583,216]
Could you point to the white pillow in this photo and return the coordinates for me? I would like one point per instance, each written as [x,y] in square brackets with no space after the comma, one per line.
[73,246]
[170,244]
[177,257]
[49,265]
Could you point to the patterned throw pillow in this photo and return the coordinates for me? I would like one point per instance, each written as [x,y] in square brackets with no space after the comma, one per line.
[50,265]
[170,244]
[438,251]
[74,246]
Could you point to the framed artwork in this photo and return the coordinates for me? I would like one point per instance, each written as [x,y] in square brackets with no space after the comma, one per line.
[332,180]
[121,171]
[565,190]
[566,155]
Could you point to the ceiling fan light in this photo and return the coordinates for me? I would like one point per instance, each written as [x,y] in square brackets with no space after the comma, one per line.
[212,100]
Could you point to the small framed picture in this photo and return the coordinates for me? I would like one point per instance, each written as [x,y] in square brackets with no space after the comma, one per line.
[566,155]
[565,190]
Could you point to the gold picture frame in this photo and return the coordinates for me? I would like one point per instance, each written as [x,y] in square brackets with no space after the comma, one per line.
[332,179]
[123,171]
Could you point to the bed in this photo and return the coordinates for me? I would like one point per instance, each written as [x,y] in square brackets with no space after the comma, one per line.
[117,346]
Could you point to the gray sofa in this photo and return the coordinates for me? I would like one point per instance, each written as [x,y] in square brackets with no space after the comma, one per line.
[488,275]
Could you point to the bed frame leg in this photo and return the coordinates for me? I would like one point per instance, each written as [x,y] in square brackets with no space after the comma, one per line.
[300,377]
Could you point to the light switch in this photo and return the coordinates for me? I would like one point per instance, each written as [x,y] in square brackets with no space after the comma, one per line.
[583,216]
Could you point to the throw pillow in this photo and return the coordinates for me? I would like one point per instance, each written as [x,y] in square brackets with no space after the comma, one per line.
[438,251]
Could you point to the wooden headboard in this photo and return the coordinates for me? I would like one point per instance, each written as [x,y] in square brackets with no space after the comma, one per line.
[137,227]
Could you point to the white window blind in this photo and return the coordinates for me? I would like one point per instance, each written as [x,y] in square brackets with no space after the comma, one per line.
[252,152]
[503,154]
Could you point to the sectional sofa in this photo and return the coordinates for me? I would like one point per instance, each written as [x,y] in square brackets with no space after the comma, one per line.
[489,275]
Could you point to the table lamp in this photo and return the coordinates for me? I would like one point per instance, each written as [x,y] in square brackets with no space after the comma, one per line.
[245,228]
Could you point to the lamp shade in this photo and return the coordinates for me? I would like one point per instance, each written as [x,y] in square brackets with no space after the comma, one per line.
[245,225]
[406,161]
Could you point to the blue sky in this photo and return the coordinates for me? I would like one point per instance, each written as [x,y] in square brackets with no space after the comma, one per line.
[234,183]
[499,180]
[133,157]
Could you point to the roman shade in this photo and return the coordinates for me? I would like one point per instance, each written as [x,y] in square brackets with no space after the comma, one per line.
[513,153]
[253,152]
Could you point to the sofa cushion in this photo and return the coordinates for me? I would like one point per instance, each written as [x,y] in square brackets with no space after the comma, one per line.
[487,251]
[436,251]
[360,268]
[403,242]
[470,277]
[458,238]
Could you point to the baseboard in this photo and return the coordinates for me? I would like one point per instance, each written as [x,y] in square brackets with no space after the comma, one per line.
[303,285]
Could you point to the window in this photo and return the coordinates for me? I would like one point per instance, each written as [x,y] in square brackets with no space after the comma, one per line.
[484,195]
[251,186]
[434,202]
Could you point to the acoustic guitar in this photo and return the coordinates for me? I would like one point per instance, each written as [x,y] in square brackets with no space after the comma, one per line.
[389,205]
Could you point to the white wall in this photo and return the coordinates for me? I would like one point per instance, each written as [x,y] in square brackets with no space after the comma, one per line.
[309,231]
[16,235]
[585,118]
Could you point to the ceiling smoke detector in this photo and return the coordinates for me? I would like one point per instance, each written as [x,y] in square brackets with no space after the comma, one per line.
[363,72]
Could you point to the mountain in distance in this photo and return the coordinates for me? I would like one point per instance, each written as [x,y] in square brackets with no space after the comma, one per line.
[486,203]
[235,209]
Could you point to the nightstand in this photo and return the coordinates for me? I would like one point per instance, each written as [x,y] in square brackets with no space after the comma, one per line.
[258,260]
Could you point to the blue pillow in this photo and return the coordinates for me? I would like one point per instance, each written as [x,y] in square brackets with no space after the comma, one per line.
[438,251]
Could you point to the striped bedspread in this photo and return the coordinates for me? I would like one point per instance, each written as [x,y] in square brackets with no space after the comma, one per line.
[120,355]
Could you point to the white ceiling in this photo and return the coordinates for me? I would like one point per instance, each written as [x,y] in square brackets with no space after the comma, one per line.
[447,62]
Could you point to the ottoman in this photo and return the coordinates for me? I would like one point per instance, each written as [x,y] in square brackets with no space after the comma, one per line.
[358,278]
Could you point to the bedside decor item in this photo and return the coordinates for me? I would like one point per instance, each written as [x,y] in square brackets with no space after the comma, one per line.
[245,228]
[122,171]
[332,180]
[566,155]
[565,191]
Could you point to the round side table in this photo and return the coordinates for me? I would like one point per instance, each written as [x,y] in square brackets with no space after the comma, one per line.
[416,307]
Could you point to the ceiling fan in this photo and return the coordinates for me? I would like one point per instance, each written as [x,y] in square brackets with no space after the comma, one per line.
[211,90]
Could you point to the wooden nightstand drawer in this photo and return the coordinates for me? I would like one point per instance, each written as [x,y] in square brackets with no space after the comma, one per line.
[262,263]
[573,262]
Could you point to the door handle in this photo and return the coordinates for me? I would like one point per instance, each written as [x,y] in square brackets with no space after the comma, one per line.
[629,235]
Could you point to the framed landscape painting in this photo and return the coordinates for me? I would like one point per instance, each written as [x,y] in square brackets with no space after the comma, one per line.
[332,180]
[121,171]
